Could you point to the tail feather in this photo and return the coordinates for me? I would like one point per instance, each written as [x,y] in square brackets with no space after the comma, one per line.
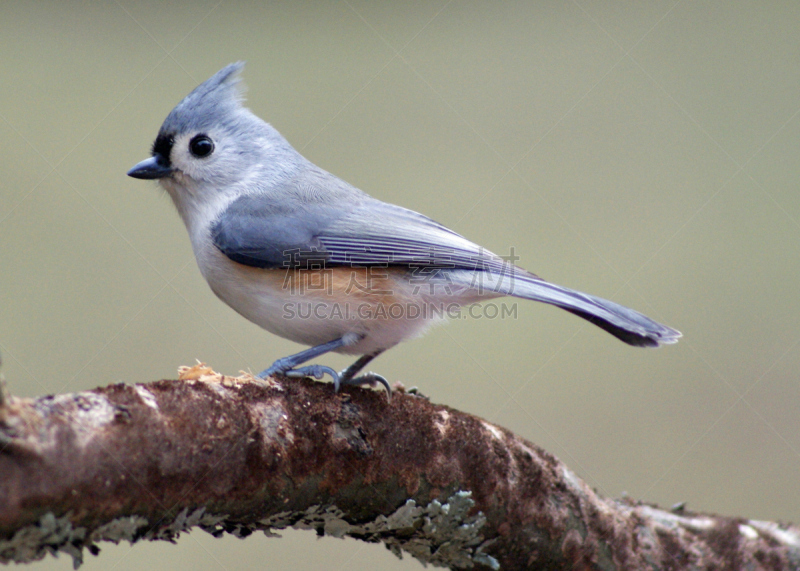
[653,338]
[623,323]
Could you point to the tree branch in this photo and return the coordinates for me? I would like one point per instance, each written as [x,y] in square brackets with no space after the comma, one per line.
[239,454]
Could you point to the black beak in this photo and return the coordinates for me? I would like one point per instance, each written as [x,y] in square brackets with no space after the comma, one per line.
[150,169]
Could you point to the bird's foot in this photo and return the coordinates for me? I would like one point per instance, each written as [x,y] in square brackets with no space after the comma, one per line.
[283,368]
[366,379]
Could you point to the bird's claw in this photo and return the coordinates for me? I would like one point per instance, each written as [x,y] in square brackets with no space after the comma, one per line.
[315,371]
[281,369]
[278,368]
[366,379]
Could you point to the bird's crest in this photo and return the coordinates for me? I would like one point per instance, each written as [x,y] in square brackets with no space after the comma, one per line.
[209,104]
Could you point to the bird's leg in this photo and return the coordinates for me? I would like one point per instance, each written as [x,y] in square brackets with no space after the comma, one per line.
[348,376]
[286,365]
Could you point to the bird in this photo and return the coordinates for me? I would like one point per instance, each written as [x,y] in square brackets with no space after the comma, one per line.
[311,258]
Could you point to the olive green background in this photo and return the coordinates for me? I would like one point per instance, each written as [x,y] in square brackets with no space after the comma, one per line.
[645,152]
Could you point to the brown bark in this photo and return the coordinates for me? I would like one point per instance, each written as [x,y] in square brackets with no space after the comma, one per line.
[237,455]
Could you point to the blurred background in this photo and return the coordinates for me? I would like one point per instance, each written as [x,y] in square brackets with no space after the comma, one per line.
[643,152]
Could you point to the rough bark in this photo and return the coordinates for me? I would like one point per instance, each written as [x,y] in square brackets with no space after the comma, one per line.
[238,454]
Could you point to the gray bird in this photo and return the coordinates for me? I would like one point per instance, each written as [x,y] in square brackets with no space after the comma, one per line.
[313,259]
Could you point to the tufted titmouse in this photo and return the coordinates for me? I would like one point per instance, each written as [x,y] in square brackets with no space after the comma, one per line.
[313,259]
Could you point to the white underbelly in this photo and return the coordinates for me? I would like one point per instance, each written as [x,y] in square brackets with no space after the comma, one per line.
[314,310]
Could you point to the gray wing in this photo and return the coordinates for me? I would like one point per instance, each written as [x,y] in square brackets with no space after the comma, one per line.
[256,231]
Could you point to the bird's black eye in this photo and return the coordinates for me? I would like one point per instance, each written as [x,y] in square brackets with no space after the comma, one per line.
[201,146]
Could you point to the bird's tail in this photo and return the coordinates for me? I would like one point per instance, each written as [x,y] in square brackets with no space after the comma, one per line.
[623,323]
